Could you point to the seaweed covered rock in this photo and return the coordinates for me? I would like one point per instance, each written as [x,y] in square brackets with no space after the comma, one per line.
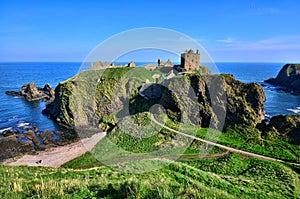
[11,147]
[288,77]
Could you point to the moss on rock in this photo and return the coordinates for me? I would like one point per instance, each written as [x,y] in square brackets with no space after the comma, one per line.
[99,98]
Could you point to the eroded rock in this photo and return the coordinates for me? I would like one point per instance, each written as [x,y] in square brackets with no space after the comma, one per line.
[33,93]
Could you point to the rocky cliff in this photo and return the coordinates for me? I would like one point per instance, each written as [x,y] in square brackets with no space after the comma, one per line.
[288,77]
[287,127]
[99,98]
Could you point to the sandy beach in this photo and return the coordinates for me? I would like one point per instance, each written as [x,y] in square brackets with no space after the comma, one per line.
[57,156]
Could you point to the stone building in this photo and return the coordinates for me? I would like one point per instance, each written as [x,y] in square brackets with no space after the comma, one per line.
[131,64]
[190,60]
[166,64]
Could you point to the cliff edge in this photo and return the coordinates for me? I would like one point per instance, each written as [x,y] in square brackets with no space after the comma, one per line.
[99,98]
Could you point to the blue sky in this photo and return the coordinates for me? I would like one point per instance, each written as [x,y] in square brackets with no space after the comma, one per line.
[240,30]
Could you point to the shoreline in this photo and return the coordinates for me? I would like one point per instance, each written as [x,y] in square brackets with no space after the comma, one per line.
[57,156]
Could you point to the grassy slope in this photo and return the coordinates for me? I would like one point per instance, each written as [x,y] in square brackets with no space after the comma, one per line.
[231,176]
[227,176]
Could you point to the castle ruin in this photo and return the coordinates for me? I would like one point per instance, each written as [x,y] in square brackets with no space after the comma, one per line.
[190,60]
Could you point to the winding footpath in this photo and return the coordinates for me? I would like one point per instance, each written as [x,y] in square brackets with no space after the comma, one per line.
[233,150]
[57,156]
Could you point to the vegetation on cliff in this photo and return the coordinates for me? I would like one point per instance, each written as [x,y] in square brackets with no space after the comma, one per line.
[192,103]
[206,101]
[99,98]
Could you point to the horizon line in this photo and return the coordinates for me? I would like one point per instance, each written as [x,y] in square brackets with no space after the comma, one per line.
[236,61]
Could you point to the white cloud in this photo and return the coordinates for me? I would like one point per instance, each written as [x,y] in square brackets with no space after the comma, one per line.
[274,43]
[228,40]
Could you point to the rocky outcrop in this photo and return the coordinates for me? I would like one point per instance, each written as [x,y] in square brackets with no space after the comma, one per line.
[33,93]
[11,147]
[93,98]
[217,101]
[245,102]
[287,127]
[288,78]
[85,98]
[15,142]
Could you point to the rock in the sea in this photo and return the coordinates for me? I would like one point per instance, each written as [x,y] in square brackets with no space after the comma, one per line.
[33,93]
[47,137]
[288,77]
[7,133]
[30,135]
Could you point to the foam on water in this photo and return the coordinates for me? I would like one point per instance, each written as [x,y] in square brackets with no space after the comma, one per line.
[22,124]
[6,129]
[295,110]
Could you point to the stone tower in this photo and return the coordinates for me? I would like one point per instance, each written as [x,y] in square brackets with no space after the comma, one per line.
[190,60]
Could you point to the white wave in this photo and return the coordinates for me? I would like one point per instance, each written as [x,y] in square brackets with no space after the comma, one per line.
[296,110]
[268,116]
[2,130]
[23,124]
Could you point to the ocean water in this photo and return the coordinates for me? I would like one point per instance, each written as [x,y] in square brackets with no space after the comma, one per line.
[17,113]
[278,102]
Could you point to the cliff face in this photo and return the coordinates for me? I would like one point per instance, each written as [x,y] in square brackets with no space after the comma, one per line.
[287,127]
[99,98]
[288,77]
[86,98]
[245,102]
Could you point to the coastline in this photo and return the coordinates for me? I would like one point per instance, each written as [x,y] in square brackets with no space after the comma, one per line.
[57,156]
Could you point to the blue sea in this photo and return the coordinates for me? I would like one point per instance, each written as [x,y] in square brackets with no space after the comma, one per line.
[16,112]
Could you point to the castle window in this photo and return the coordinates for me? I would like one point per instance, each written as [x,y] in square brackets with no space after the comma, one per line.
[192,60]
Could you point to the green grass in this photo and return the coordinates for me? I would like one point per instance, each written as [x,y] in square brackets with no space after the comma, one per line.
[244,138]
[232,176]
[251,140]
[85,161]
[227,176]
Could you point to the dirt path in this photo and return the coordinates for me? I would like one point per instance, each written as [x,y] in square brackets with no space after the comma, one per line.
[56,156]
[220,145]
